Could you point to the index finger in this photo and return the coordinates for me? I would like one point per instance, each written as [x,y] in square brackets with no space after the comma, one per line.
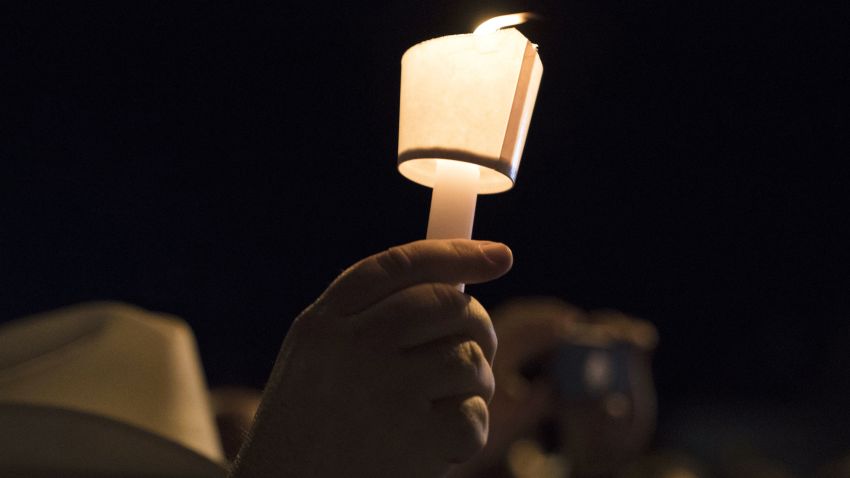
[450,261]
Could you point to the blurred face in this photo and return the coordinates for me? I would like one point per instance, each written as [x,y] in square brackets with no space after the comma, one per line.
[603,429]
[575,387]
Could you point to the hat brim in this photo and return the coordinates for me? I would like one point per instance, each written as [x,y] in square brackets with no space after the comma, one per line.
[42,441]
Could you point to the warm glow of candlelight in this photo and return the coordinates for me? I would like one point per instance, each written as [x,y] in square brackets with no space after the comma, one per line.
[464,110]
[502,21]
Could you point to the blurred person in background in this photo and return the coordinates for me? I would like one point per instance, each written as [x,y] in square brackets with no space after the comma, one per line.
[574,392]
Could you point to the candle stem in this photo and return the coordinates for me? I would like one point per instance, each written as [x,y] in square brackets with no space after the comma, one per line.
[453,201]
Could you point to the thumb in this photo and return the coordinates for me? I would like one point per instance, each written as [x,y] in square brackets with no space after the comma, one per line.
[449,261]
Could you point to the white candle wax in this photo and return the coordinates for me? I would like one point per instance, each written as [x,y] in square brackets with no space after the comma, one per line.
[453,201]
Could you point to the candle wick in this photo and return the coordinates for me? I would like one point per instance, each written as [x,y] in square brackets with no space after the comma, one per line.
[502,21]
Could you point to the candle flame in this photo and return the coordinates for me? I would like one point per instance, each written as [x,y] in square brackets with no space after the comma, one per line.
[502,21]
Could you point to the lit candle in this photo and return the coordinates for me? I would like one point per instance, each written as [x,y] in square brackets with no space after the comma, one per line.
[466,103]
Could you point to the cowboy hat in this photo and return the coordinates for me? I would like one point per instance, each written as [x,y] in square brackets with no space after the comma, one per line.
[104,389]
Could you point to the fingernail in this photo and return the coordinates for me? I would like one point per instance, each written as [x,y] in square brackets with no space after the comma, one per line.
[497,253]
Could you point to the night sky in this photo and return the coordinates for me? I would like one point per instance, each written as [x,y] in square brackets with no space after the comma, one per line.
[686,163]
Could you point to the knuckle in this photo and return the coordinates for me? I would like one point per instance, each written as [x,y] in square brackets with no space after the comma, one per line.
[467,361]
[462,358]
[479,315]
[489,389]
[448,298]
[394,260]
[481,327]
[485,383]
[459,250]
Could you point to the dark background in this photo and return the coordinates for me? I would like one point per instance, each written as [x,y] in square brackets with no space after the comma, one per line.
[686,163]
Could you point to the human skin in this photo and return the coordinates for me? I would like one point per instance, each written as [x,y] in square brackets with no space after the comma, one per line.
[388,373]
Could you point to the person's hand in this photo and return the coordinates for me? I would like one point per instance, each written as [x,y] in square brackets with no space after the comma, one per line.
[387,374]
